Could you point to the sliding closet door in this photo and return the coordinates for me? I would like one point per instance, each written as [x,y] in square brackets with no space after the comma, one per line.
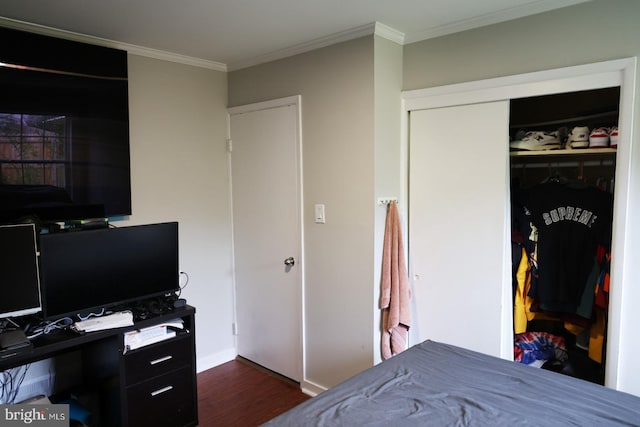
[459,226]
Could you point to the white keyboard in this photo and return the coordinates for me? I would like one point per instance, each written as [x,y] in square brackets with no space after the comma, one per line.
[115,320]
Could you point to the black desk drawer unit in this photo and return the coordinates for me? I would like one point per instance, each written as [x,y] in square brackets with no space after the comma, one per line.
[159,382]
[157,359]
[166,400]
[149,386]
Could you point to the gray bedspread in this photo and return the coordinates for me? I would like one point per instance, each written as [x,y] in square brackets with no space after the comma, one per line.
[434,384]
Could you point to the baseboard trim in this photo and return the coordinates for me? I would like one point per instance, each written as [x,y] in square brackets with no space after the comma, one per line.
[213,360]
[311,389]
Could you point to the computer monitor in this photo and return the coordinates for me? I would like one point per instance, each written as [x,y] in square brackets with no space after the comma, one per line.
[19,277]
[86,271]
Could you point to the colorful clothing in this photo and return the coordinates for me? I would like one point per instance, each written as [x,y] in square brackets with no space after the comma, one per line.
[532,346]
[522,303]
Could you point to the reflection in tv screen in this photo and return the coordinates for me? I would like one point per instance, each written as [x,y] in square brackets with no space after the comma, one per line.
[64,129]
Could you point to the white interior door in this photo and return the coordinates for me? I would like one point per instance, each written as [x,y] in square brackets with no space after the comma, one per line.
[265,174]
[459,222]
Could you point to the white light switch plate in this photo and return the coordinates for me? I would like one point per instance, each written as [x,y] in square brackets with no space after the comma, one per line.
[319,214]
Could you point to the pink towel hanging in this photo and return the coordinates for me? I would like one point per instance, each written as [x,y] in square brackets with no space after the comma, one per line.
[395,292]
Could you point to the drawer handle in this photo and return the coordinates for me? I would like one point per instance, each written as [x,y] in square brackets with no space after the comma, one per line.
[162,390]
[162,359]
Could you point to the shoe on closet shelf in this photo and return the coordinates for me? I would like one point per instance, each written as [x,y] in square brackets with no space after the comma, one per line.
[519,135]
[599,138]
[613,137]
[578,137]
[537,140]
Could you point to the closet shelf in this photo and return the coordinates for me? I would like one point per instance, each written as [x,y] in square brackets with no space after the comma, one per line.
[577,152]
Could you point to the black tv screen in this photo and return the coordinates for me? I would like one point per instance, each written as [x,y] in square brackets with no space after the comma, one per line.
[86,271]
[64,129]
[19,279]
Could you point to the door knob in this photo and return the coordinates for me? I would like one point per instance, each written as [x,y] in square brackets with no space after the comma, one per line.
[289,261]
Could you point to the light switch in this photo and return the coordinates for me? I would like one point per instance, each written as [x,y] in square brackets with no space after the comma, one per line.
[319,214]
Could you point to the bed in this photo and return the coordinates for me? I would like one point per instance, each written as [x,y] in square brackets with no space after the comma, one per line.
[435,384]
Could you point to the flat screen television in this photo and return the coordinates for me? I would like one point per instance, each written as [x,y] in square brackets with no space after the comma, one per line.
[64,129]
[19,278]
[85,271]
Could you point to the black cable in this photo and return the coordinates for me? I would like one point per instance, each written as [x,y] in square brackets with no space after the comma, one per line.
[90,315]
[180,288]
[48,327]
[10,382]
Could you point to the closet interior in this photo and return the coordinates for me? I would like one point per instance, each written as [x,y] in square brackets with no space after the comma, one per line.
[562,189]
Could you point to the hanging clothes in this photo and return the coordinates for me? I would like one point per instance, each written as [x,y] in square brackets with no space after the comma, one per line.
[598,330]
[395,292]
[522,303]
[598,324]
[571,223]
[574,227]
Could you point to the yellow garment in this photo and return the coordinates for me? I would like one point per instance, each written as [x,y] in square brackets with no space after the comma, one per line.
[596,339]
[522,303]
[573,328]
[596,333]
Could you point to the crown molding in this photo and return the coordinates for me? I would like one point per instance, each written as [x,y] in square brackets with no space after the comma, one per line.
[342,36]
[372,28]
[173,57]
[389,33]
[376,28]
[504,15]
[318,43]
[130,48]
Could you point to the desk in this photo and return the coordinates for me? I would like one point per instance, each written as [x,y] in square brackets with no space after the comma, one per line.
[153,385]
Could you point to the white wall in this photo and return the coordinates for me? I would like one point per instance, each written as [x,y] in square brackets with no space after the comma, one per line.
[351,156]
[179,172]
[595,31]
[388,180]
[551,40]
[336,84]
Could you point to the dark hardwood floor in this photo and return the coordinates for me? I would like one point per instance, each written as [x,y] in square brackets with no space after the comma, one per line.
[239,393]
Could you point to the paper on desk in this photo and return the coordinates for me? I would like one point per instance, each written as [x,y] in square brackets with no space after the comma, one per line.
[116,320]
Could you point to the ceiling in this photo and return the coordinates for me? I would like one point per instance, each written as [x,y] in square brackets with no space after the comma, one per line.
[232,34]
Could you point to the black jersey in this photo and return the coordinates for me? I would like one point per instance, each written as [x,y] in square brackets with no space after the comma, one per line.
[571,221]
